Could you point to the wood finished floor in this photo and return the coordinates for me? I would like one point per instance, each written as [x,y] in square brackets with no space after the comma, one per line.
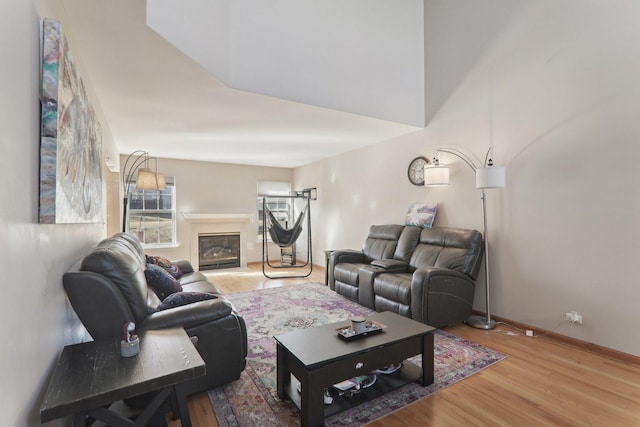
[541,383]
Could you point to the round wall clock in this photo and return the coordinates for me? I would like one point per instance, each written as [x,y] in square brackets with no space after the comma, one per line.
[416,170]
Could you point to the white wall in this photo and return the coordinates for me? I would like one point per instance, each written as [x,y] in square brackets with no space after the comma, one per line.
[555,86]
[36,319]
[360,56]
[206,187]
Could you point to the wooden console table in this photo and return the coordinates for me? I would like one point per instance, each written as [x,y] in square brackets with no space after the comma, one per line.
[89,377]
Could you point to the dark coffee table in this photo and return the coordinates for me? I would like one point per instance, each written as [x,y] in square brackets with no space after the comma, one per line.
[318,358]
[88,377]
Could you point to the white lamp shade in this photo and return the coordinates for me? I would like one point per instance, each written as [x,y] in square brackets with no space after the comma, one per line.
[148,180]
[162,184]
[490,177]
[435,175]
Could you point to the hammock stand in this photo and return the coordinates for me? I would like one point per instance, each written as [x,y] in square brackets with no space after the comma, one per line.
[286,237]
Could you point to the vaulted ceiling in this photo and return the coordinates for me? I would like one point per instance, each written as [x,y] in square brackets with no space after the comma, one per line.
[280,83]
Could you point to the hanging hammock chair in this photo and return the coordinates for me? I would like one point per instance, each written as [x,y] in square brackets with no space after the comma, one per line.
[281,236]
[285,237]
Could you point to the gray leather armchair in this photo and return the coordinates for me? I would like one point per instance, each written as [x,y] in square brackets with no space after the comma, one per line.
[108,288]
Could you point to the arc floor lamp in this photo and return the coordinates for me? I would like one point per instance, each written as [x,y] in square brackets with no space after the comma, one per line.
[145,180]
[487,176]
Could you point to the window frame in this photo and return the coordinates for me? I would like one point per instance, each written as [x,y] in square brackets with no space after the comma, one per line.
[273,189]
[131,211]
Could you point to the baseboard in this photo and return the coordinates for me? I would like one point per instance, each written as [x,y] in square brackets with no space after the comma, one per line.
[584,345]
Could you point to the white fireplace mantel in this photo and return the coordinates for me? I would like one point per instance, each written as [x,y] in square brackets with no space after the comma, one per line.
[216,217]
[202,223]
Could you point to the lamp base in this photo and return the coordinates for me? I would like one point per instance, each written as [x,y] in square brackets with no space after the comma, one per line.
[480,322]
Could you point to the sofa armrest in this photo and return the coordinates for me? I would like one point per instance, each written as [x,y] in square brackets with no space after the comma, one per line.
[184,265]
[346,256]
[189,315]
[367,275]
[342,256]
[98,303]
[391,265]
[440,296]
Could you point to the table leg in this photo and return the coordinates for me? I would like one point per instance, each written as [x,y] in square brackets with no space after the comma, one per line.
[79,420]
[182,407]
[283,374]
[427,360]
[106,415]
[153,406]
[311,401]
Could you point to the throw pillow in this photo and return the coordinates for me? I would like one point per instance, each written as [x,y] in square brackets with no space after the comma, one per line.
[183,298]
[162,283]
[172,268]
[421,214]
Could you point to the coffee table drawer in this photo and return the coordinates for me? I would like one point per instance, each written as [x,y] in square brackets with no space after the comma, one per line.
[364,363]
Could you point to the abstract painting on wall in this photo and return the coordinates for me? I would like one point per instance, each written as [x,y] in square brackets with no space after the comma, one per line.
[71,139]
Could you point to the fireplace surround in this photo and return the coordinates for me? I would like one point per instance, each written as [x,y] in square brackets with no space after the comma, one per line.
[215,223]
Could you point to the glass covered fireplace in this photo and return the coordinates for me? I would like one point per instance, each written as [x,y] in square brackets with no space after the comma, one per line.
[218,250]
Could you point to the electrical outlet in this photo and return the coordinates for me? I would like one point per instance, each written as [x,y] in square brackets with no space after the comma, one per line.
[573,317]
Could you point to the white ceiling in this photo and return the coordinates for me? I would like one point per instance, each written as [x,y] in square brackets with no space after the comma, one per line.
[156,98]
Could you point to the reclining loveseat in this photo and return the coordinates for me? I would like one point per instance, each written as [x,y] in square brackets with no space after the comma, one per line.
[427,274]
[108,288]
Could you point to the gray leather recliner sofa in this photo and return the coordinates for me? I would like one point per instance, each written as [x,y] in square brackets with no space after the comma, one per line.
[425,274]
[108,288]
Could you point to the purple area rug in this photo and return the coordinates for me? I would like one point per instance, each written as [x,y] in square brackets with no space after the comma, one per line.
[252,400]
